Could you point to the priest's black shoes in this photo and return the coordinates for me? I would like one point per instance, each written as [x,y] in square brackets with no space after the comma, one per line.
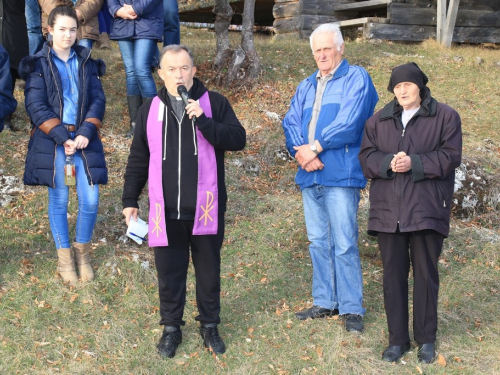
[426,353]
[394,352]
[170,340]
[315,312]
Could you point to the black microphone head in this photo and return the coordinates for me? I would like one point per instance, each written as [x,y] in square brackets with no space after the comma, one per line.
[182,90]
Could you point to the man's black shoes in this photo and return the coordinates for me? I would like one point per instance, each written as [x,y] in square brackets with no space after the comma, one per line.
[211,338]
[170,340]
[426,353]
[394,352]
[353,323]
[315,312]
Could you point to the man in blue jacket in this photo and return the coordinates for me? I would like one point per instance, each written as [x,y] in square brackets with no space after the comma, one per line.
[8,103]
[323,130]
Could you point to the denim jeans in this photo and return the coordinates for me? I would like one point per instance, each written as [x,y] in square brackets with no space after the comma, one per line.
[87,43]
[34,24]
[88,203]
[332,229]
[171,23]
[137,55]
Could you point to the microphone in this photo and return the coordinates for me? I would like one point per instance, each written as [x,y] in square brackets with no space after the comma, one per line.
[182,91]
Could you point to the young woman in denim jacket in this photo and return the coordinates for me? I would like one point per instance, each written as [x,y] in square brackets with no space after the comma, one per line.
[65,101]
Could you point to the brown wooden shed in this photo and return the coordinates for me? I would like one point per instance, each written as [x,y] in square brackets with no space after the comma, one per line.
[478,21]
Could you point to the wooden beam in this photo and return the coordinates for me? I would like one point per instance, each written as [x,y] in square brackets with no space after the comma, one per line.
[362,21]
[362,5]
[404,13]
[441,20]
[451,19]
[414,33]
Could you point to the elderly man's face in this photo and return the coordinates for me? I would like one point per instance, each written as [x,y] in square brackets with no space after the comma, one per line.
[176,69]
[408,95]
[325,52]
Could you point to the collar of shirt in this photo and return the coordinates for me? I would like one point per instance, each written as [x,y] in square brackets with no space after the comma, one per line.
[68,71]
[329,75]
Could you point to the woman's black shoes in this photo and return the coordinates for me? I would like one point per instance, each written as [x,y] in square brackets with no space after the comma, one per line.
[394,352]
[426,353]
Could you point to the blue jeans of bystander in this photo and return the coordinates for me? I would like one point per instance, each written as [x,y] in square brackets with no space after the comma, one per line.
[87,43]
[171,23]
[332,228]
[137,55]
[88,203]
[33,22]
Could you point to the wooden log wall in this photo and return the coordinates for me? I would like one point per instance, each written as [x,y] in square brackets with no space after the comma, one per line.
[286,17]
[478,21]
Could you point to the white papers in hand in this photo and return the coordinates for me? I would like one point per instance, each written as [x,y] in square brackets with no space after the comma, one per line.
[137,230]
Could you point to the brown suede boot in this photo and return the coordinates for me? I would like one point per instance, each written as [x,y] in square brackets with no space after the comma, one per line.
[82,257]
[104,41]
[66,266]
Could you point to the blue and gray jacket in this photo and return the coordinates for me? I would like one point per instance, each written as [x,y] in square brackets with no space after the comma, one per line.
[348,101]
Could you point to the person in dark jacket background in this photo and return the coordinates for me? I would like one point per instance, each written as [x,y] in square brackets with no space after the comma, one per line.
[8,103]
[410,150]
[179,150]
[14,38]
[65,102]
[138,27]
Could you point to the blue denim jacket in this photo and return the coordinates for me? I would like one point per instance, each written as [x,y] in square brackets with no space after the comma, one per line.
[68,71]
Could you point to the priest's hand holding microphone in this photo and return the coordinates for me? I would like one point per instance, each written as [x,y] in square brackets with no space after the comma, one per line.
[193,109]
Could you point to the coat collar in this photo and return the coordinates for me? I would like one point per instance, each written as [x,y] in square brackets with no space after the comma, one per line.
[81,52]
[427,107]
[342,70]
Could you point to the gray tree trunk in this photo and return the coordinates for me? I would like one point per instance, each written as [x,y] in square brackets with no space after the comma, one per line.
[240,65]
[224,13]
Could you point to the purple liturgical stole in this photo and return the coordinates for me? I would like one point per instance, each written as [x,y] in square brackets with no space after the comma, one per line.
[207,207]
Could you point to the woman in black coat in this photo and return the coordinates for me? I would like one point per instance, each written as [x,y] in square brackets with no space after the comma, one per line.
[14,38]
[410,150]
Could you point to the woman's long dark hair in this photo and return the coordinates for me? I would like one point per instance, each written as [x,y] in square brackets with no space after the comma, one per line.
[62,11]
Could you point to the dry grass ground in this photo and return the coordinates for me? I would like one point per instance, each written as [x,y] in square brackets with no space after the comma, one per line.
[110,326]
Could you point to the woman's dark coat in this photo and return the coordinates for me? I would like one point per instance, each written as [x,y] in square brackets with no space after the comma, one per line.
[147,25]
[44,104]
[13,31]
[420,198]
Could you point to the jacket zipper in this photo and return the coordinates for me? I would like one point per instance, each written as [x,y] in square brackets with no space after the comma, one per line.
[81,119]
[441,195]
[60,115]
[164,114]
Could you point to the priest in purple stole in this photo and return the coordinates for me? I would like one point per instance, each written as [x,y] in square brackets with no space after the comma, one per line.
[179,151]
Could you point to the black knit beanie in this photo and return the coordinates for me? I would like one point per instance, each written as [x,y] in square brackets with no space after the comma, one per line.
[407,73]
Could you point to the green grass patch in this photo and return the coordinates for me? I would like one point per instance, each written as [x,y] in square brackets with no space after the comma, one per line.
[111,326]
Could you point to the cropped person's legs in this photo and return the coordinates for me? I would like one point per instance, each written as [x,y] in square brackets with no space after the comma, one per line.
[88,204]
[171,26]
[87,43]
[205,252]
[144,50]
[58,203]
[396,264]
[341,204]
[134,96]
[33,23]
[127,50]
[425,248]
[321,249]
[171,265]
[58,219]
